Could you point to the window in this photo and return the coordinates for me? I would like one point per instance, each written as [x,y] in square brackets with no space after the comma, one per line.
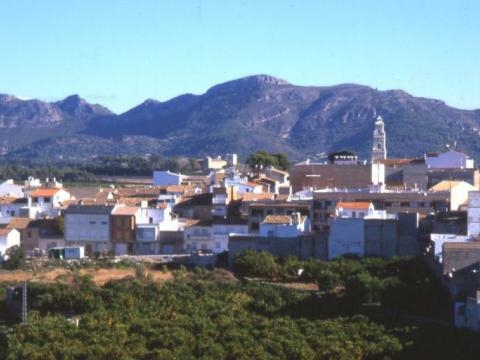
[405,204]
[91,222]
[47,200]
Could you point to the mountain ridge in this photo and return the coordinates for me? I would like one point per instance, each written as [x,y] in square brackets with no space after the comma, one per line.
[248,114]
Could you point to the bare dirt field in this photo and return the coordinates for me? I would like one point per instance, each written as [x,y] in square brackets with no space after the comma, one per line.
[99,276]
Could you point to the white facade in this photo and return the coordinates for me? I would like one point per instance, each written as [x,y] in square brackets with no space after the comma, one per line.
[221,233]
[347,236]
[439,239]
[8,238]
[297,225]
[198,237]
[378,174]
[165,178]
[353,210]
[449,160]
[473,223]
[9,188]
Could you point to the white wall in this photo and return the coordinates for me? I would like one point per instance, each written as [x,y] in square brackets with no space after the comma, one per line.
[449,160]
[87,227]
[9,240]
[164,178]
[347,236]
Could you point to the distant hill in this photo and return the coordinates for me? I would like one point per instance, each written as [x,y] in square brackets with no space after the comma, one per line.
[242,116]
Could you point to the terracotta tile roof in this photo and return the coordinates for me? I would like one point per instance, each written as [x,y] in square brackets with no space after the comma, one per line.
[162,205]
[18,223]
[176,189]
[397,162]
[353,205]
[5,231]
[125,210]
[281,197]
[132,201]
[4,200]
[460,246]
[255,197]
[277,219]
[250,183]
[44,192]
[278,171]
[445,185]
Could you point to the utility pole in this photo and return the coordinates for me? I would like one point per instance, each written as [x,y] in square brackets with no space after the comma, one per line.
[24,303]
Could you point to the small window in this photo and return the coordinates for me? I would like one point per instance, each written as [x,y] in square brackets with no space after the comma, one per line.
[92,222]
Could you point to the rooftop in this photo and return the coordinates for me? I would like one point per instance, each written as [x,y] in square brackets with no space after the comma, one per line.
[44,192]
[353,205]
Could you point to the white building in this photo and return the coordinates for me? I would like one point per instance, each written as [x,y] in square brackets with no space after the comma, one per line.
[473,220]
[165,178]
[9,188]
[455,191]
[198,236]
[8,238]
[221,231]
[89,226]
[347,229]
[351,209]
[449,160]
[46,202]
[284,226]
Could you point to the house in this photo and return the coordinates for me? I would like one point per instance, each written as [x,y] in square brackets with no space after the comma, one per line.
[8,238]
[455,191]
[198,206]
[89,226]
[164,178]
[375,233]
[449,160]
[123,226]
[12,207]
[257,211]
[198,235]
[393,202]
[215,163]
[222,228]
[281,176]
[353,209]
[284,226]
[320,176]
[46,202]
[9,188]
[147,239]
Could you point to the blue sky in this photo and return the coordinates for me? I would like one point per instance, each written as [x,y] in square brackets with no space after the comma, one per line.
[119,53]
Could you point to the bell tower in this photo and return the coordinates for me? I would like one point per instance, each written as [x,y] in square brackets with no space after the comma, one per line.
[379,150]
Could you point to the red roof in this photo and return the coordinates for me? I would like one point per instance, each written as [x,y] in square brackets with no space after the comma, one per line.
[353,205]
[44,192]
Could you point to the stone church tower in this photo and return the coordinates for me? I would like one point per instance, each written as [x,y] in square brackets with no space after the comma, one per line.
[379,150]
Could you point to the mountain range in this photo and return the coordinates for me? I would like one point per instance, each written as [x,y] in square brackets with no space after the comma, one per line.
[258,112]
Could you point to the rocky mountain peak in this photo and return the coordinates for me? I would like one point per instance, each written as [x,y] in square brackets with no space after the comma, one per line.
[247,84]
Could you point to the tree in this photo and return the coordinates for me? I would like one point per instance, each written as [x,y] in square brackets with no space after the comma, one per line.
[14,258]
[256,263]
[262,158]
